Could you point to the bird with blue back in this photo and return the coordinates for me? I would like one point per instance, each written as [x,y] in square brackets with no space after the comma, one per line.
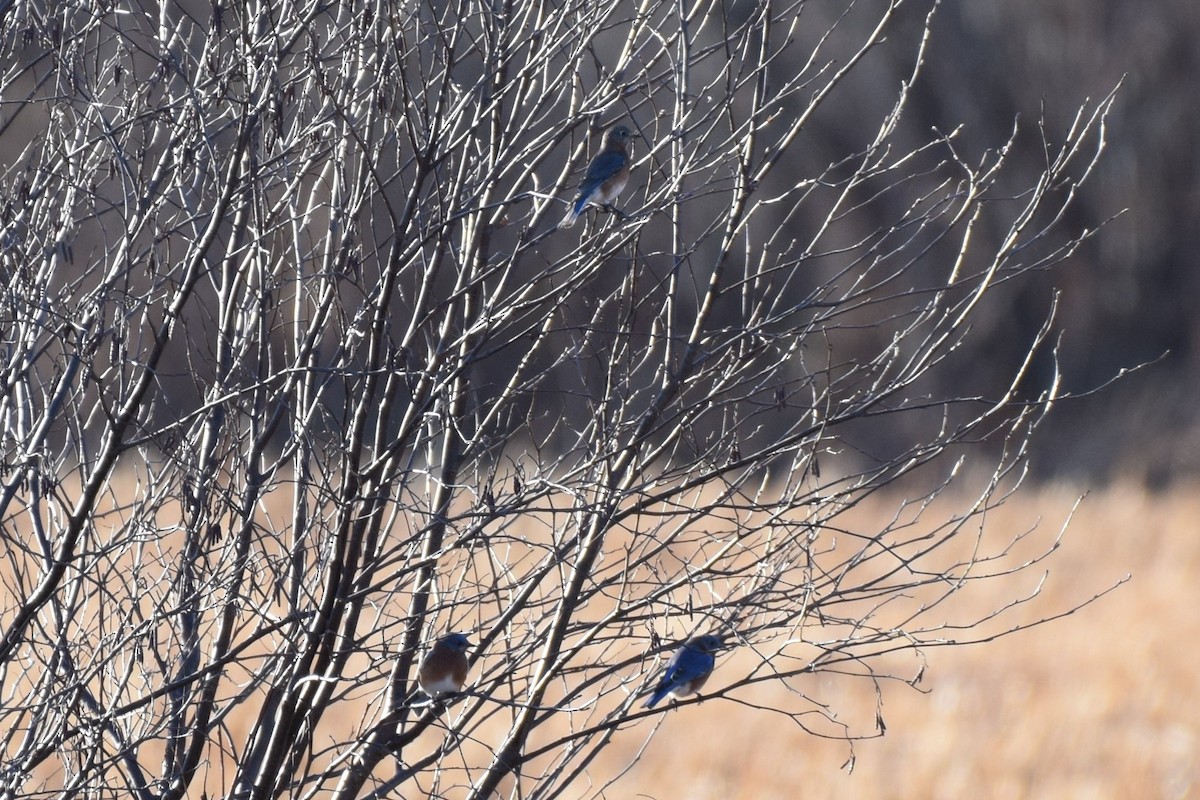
[688,669]
[606,176]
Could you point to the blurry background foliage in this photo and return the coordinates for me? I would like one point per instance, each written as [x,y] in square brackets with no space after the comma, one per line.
[1128,296]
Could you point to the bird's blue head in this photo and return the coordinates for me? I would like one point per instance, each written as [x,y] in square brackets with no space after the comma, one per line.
[706,644]
[457,642]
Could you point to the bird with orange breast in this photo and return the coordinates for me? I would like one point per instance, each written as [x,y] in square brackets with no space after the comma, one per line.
[443,670]
[688,669]
[606,176]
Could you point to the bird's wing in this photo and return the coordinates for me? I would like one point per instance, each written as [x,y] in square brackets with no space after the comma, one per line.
[686,665]
[683,667]
[603,167]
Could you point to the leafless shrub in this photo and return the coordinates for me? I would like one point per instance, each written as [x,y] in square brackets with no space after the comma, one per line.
[299,374]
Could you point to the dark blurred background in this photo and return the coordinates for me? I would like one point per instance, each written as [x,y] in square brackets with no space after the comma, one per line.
[1127,295]
[1124,297]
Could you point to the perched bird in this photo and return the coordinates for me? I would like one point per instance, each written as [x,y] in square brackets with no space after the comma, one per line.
[606,176]
[444,668]
[688,669]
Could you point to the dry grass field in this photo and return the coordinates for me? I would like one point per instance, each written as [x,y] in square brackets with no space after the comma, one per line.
[1102,704]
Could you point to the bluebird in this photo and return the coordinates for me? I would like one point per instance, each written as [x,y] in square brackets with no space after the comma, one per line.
[444,668]
[688,669]
[606,176]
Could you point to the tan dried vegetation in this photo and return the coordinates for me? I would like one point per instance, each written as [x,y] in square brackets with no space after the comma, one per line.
[1100,704]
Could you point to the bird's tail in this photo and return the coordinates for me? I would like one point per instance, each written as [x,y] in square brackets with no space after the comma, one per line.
[573,213]
[659,694]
